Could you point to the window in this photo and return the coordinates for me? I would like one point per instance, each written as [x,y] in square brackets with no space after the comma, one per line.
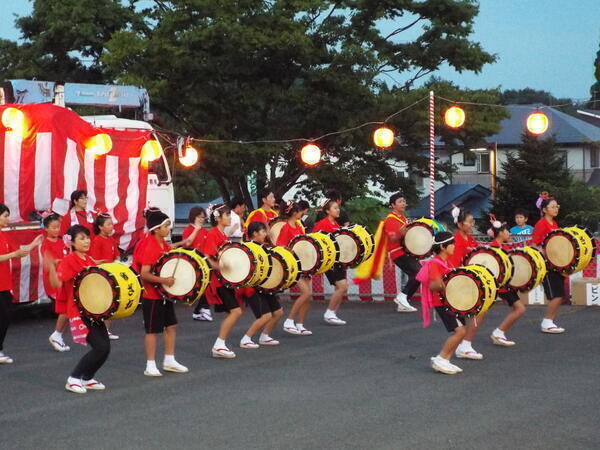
[594,157]
[483,162]
[468,158]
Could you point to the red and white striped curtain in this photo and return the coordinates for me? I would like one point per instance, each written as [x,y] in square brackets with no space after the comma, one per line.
[49,161]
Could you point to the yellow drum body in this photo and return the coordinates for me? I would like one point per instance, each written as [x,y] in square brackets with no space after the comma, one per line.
[243,264]
[494,259]
[529,268]
[330,251]
[191,272]
[355,244]
[317,252]
[285,269]
[568,250]
[469,290]
[107,291]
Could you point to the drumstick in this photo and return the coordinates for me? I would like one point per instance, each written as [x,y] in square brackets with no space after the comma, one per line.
[175,269]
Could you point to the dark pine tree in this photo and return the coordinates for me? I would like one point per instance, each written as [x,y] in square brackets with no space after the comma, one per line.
[537,163]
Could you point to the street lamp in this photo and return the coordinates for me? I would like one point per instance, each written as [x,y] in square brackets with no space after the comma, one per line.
[492,148]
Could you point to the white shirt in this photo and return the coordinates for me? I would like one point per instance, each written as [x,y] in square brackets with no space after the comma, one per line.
[229,231]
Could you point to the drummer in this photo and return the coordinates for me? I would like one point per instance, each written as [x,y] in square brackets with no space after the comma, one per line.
[464,243]
[291,229]
[393,227]
[195,234]
[159,314]
[436,268]
[265,306]
[336,275]
[223,298]
[509,295]
[333,194]
[62,274]
[266,212]
[104,249]
[554,282]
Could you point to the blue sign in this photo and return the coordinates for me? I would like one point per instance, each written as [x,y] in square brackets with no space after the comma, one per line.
[26,91]
[105,95]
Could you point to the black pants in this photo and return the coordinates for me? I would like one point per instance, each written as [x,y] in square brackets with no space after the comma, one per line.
[410,266]
[5,312]
[202,304]
[99,342]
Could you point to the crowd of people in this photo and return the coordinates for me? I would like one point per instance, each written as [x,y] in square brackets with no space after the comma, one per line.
[80,239]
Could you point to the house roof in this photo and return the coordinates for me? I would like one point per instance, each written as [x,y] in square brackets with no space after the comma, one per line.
[473,197]
[566,129]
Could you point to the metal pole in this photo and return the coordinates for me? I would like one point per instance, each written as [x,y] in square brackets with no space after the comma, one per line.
[494,169]
[431,156]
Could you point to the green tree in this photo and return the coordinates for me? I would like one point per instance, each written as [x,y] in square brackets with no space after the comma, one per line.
[529,96]
[595,88]
[254,70]
[64,41]
[578,204]
[258,69]
[537,166]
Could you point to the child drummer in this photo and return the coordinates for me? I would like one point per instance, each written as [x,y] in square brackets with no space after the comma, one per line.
[554,282]
[216,293]
[62,274]
[265,306]
[510,296]
[159,313]
[437,267]
[393,227]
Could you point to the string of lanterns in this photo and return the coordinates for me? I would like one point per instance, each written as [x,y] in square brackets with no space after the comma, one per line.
[13,120]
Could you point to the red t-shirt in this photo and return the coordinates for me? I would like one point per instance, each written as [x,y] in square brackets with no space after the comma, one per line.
[261,215]
[462,246]
[68,268]
[326,225]
[541,230]
[391,227]
[198,242]
[436,272]
[82,219]
[287,233]
[5,275]
[151,249]
[104,249]
[56,250]
[214,240]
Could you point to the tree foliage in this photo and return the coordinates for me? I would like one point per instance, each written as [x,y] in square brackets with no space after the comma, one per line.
[537,166]
[257,70]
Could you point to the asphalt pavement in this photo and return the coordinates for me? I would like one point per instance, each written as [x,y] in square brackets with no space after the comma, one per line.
[366,385]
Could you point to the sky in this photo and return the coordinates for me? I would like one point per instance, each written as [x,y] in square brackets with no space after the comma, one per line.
[542,44]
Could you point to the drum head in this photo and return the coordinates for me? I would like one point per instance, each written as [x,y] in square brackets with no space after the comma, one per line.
[559,251]
[462,292]
[185,276]
[522,272]
[95,293]
[274,230]
[276,277]
[307,254]
[488,261]
[235,264]
[418,240]
[348,248]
